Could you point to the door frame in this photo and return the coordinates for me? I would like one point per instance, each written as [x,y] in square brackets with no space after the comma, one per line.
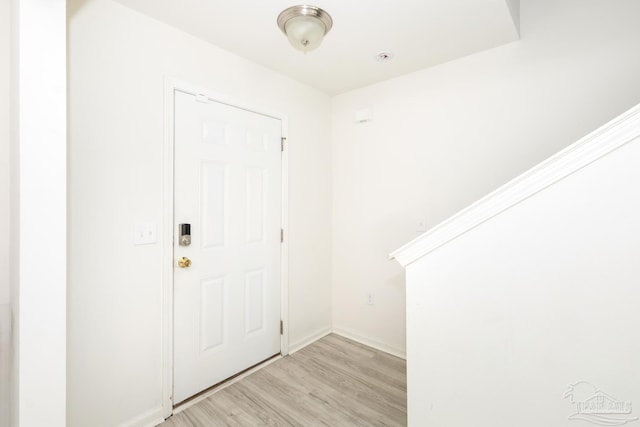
[167,231]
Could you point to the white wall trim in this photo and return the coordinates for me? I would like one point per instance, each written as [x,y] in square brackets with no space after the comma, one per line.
[166,241]
[309,339]
[349,334]
[150,418]
[597,144]
[284,248]
[172,84]
[370,342]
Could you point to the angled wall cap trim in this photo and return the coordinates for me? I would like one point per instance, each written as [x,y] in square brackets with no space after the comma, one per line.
[608,138]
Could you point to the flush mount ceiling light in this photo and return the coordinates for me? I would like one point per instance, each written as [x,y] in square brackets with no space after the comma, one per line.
[304,26]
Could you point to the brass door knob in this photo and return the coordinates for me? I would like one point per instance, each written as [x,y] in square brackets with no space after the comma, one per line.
[184,262]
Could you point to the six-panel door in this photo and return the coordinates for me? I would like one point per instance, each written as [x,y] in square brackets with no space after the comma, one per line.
[227,186]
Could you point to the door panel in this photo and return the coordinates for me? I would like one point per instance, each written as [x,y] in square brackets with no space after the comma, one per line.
[213,189]
[227,186]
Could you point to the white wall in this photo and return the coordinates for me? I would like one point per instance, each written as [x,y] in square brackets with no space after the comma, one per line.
[118,59]
[514,9]
[443,137]
[38,224]
[5,153]
[503,319]
[5,85]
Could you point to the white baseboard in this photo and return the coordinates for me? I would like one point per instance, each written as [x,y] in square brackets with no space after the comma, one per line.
[301,343]
[148,419]
[352,335]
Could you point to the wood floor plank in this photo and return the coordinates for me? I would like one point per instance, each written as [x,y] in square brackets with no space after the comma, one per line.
[332,382]
[373,369]
[371,402]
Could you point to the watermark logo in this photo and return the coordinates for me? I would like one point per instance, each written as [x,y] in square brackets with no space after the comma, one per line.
[598,407]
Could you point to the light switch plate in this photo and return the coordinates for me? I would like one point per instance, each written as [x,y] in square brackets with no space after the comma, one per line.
[144,233]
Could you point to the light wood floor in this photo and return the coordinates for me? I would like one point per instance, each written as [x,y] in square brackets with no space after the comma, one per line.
[332,382]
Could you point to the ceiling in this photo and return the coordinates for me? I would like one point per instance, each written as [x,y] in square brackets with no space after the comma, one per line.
[419,33]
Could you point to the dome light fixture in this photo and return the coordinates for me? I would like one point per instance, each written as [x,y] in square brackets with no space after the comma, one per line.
[304,26]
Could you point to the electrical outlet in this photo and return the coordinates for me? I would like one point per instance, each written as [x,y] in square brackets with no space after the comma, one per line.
[371,298]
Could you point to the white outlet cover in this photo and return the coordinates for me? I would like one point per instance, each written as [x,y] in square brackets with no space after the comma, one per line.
[421,225]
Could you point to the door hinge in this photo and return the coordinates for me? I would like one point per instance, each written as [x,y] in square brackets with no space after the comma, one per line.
[281,327]
[282,141]
[282,235]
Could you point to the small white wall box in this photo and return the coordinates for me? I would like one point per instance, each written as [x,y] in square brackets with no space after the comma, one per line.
[364,115]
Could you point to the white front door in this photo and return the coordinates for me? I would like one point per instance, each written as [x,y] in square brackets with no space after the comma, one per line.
[227,187]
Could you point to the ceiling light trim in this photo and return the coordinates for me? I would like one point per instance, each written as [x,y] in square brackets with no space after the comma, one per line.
[305,26]
[304,10]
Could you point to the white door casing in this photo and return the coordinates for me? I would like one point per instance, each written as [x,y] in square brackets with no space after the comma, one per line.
[228,187]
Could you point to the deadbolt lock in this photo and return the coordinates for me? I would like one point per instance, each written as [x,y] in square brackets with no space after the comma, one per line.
[184,234]
[184,262]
